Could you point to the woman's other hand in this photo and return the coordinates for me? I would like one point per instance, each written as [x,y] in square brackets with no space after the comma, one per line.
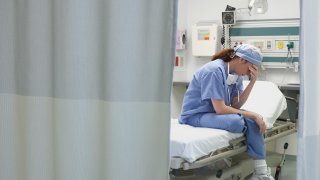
[258,119]
[261,123]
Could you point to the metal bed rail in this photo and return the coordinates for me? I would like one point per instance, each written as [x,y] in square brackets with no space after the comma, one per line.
[238,146]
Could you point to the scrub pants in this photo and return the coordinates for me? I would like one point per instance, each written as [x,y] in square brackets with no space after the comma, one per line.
[234,123]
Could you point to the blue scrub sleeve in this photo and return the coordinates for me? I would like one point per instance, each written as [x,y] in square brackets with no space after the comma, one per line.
[212,86]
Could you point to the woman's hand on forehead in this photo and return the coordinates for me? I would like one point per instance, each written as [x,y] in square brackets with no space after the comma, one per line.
[254,66]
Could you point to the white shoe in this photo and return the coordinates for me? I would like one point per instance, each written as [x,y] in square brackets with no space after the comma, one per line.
[264,176]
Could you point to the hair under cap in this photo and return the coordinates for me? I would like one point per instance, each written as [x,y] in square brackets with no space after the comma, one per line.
[249,53]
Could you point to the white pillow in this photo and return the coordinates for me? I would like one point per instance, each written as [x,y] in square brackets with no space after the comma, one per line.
[267,100]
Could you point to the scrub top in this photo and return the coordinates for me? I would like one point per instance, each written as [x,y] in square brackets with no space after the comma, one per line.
[209,82]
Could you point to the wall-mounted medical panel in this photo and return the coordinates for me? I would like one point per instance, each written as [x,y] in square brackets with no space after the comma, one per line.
[270,46]
[204,39]
[278,40]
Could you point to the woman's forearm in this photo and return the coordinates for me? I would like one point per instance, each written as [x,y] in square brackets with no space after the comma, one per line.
[221,108]
[243,97]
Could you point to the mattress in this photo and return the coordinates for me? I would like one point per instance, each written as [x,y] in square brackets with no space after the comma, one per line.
[191,143]
[267,100]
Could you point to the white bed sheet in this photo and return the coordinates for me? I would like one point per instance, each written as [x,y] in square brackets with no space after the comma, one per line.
[191,143]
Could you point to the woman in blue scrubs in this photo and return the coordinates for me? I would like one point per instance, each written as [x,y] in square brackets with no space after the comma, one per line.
[215,95]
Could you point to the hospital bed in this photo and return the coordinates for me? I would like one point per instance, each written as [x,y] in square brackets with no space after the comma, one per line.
[192,148]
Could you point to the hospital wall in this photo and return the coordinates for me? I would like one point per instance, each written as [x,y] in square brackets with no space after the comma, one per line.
[191,12]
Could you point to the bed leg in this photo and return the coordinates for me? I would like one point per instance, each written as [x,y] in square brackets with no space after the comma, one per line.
[228,161]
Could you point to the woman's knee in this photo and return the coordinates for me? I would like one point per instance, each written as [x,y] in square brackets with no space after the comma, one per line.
[237,126]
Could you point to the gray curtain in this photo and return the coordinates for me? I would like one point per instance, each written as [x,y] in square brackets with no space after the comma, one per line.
[308,162]
[85,89]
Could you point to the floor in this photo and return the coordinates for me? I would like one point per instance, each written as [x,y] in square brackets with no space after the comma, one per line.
[288,171]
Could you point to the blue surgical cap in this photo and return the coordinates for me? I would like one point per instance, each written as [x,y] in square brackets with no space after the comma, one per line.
[249,53]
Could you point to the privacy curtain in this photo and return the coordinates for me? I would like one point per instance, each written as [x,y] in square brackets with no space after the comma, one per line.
[85,89]
[308,162]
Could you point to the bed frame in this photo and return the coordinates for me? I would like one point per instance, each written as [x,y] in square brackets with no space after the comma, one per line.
[281,128]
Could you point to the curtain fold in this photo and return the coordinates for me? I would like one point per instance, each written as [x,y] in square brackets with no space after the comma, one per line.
[85,89]
[308,161]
